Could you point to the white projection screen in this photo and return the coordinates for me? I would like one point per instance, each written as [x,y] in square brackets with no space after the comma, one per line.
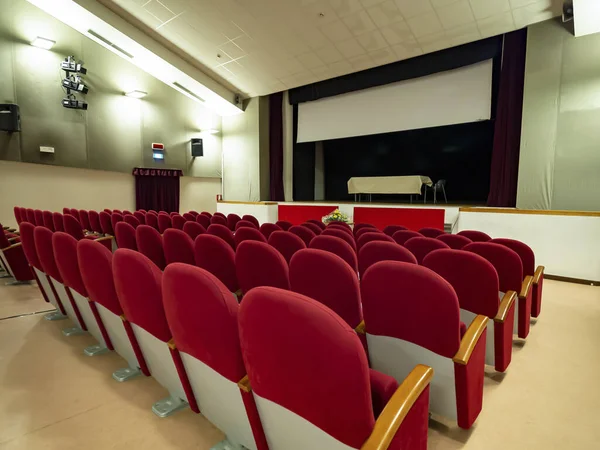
[447,98]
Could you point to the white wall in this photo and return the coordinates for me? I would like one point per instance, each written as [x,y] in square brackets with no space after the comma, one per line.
[199,194]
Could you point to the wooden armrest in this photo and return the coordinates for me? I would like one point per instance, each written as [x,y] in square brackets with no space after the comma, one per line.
[244,384]
[171,344]
[507,301]
[105,238]
[18,244]
[539,272]
[470,339]
[360,328]
[398,407]
[526,286]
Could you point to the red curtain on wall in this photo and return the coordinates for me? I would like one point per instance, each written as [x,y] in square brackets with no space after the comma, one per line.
[507,133]
[276,146]
[157,189]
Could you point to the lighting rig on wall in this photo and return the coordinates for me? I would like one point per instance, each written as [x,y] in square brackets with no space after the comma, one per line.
[73,83]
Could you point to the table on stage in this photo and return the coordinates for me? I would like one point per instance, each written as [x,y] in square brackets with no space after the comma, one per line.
[410,184]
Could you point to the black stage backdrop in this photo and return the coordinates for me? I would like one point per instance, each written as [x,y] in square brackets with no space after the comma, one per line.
[460,154]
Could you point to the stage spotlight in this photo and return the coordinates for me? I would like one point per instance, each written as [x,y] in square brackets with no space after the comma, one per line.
[44,43]
[136,94]
[72,103]
[75,83]
[70,65]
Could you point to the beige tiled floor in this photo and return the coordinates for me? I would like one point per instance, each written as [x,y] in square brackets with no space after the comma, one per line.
[52,397]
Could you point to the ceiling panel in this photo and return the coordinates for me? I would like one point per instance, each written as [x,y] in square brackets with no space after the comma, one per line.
[264,46]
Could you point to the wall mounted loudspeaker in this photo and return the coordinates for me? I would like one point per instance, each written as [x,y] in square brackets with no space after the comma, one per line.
[10,119]
[197,147]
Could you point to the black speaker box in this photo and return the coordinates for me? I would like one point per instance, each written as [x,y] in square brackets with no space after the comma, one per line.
[197,147]
[10,119]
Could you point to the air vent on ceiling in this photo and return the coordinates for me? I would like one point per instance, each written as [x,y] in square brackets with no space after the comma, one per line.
[110,44]
[187,91]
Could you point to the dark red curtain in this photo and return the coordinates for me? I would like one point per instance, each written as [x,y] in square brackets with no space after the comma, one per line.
[507,133]
[157,189]
[276,146]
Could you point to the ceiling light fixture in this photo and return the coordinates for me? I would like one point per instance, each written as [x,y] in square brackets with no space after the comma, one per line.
[44,43]
[136,94]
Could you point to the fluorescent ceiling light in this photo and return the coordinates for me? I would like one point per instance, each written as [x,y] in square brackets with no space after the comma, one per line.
[44,43]
[136,94]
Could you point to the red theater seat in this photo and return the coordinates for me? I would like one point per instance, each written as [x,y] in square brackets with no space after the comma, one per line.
[331,405]
[30,216]
[336,232]
[17,213]
[454,241]
[509,267]
[125,236]
[115,218]
[252,219]
[140,216]
[529,269]
[286,243]
[95,265]
[338,247]
[26,231]
[248,234]
[391,229]
[73,228]
[206,213]
[48,222]
[376,251]
[203,314]
[284,224]
[105,223]
[218,220]
[164,222]
[475,282]
[189,217]
[370,237]
[13,259]
[194,213]
[422,246]
[222,232]
[193,229]
[244,224]
[138,282]
[359,233]
[95,224]
[475,236]
[178,247]
[412,316]
[203,220]
[84,220]
[360,226]
[259,264]
[150,243]
[152,220]
[232,220]
[126,211]
[338,226]
[220,214]
[214,255]
[39,217]
[404,235]
[267,228]
[131,220]
[431,232]
[303,233]
[312,227]
[318,223]
[178,221]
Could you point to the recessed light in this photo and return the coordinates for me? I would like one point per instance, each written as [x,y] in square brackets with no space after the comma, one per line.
[44,43]
[136,94]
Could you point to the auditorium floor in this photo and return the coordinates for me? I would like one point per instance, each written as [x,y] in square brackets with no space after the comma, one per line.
[52,397]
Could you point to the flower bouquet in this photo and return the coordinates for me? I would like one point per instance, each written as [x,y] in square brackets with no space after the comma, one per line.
[335,216]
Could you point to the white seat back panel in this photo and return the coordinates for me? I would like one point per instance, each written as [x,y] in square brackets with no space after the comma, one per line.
[118,336]
[88,316]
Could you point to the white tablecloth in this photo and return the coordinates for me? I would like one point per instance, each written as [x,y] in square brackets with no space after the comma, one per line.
[388,185]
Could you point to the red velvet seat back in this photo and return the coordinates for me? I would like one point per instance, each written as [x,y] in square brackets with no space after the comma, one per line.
[359,233]
[65,255]
[336,232]
[203,220]
[454,241]
[149,243]
[218,220]
[220,214]
[125,236]
[95,221]
[338,226]
[43,245]
[131,220]
[84,220]
[259,264]
[286,243]
[391,229]
[267,228]
[283,339]
[206,213]
[250,218]
[126,212]
[473,278]
[75,213]
[203,315]
[178,222]
[328,279]
[30,216]
[370,237]
[312,227]
[431,232]
[17,212]
[118,211]
[189,217]
[284,224]
[248,234]
[138,282]
[214,255]
[3,239]
[193,229]
[222,232]
[523,250]
[95,265]
[115,218]
[338,247]
[48,221]
[475,236]
[164,222]
[412,303]
[232,220]
[73,227]
[106,223]
[360,226]
[404,235]
[39,217]
[422,246]
[376,251]
[318,223]
[244,224]
[26,230]
[140,216]
[506,262]
[178,247]
[303,233]
[152,220]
